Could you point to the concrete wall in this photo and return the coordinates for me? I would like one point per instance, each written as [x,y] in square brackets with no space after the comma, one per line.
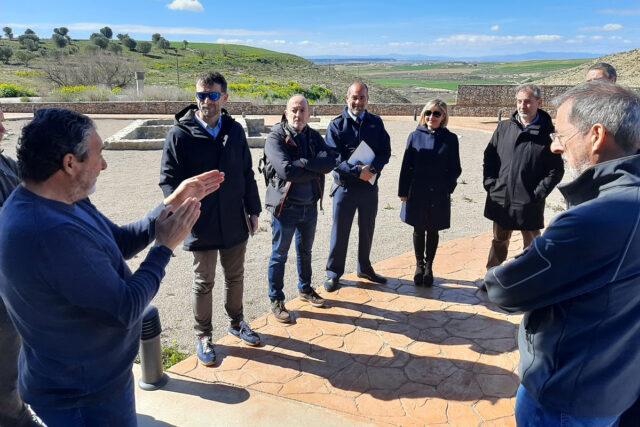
[472,101]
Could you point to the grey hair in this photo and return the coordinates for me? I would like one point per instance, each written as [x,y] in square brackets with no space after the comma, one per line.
[535,89]
[295,95]
[616,107]
[435,103]
[607,69]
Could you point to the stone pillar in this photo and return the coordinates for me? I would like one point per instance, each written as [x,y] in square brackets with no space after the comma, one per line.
[140,83]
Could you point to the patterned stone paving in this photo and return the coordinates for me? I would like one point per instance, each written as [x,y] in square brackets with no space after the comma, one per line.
[393,354]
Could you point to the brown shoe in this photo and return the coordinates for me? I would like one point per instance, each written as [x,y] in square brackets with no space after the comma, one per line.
[280,312]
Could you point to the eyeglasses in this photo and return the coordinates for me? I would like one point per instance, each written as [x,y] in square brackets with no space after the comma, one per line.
[561,139]
[214,96]
[436,114]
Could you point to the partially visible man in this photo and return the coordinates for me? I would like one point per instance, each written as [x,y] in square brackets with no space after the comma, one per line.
[205,137]
[602,71]
[519,173]
[297,161]
[13,411]
[355,183]
[64,278]
[578,283]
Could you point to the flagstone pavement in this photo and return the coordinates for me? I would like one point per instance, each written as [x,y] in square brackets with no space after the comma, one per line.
[392,354]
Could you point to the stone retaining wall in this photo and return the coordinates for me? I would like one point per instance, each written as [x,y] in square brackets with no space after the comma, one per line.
[472,101]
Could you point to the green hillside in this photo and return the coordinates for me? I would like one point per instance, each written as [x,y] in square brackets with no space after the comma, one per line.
[254,74]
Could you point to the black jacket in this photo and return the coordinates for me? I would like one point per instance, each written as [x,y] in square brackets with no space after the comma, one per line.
[9,177]
[344,135]
[281,151]
[428,177]
[519,173]
[578,286]
[190,150]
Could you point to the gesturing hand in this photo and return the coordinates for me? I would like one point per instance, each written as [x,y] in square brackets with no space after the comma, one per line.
[198,187]
[171,230]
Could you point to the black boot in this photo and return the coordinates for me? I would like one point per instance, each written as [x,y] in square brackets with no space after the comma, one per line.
[431,247]
[418,247]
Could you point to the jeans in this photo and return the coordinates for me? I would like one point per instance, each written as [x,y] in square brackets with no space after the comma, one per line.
[204,268]
[530,413]
[119,410]
[300,220]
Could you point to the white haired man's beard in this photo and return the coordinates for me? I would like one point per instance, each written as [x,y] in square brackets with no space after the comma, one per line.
[575,171]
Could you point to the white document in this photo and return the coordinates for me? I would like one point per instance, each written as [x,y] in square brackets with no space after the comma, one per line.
[363,155]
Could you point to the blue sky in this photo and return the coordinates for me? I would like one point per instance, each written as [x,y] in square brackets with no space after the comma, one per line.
[352,28]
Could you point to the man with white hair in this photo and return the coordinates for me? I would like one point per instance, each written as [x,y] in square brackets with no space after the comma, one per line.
[578,283]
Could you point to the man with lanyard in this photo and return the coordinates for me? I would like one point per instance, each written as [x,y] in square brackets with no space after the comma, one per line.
[355,183]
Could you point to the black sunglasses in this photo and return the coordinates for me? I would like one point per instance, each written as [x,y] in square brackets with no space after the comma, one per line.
[436,114]
[214,96]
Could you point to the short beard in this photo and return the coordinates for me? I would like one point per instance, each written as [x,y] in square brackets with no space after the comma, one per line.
[575,171]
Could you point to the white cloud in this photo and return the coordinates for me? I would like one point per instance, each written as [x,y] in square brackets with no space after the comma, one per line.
[612,27]
[280,41]
[145,29]
[473,39]
[305,42]
[615,38]
[192,5]
[581,36]
[495,28]
[608,27]
[231,41]
[597,38]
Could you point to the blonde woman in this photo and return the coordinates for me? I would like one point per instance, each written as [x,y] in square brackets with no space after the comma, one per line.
[430,168]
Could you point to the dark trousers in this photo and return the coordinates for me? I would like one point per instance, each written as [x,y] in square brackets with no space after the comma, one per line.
[346,201]
[204,268]
[500,244]
[299,221]
[12,409]
[117,410]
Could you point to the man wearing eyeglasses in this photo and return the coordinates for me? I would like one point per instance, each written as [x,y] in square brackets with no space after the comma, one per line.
[578,283]
[205,137]
[519,173]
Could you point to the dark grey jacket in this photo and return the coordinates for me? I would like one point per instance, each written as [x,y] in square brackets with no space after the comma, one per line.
[519,173]
[578,285]
[9,177]
[281,151]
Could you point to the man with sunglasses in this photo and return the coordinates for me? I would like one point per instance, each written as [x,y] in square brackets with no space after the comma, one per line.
[519,173]
[577,284]
[205,137]
[355,185]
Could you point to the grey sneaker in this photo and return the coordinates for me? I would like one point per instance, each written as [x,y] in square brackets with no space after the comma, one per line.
[312,298]
[280,312]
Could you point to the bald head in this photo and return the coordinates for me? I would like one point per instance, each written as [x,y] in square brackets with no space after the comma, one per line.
[298,112]
[357,98]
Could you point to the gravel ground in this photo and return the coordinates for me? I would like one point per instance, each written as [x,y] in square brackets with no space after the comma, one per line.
[129,188]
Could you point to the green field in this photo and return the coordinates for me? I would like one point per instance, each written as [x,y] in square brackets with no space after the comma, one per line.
[449,75]
[435,84]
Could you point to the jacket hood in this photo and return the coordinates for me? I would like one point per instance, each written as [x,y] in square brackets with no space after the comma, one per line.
[185,118]
[622,172]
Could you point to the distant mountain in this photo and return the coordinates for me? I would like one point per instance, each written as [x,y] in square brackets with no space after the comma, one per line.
[398,58]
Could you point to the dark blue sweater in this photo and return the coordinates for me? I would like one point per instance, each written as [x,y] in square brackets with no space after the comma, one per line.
[72,297]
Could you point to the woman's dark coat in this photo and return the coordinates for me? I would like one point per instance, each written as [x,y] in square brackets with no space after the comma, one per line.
[428,177]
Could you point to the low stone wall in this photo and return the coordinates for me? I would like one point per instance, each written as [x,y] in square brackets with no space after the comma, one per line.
[472,101]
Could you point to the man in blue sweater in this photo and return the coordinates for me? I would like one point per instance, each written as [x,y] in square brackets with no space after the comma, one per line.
[64,278]
[355,185]
[578,283]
